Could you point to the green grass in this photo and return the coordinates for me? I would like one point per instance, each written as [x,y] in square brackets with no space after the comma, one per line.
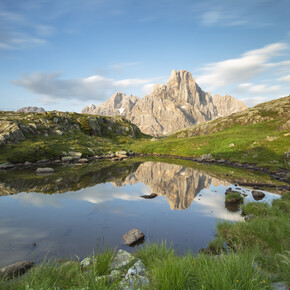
[250,142]
[268,234]
[234,197]
[65,275]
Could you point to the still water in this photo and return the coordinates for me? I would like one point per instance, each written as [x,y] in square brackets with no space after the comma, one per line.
[79,210]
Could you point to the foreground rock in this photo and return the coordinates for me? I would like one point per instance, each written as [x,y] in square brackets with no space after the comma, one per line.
[16,269]
[133,237]
[130,271]
[136,277]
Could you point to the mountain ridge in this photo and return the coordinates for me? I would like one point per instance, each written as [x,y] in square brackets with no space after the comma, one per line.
[176,105]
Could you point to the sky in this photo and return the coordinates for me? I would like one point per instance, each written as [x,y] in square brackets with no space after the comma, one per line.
[66,54]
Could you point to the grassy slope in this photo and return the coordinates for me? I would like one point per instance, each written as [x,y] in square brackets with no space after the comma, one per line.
[247,130]
[258,254]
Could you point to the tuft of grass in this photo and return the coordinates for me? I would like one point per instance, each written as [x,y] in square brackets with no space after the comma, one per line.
[65,275]
[234,197]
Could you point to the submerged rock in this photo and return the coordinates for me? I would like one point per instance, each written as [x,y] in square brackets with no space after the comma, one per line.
[15,269]
[133,236]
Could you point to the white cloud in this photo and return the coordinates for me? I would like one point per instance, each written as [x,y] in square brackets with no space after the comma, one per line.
[284,79]
[52,86]
[258,89]
[241,69]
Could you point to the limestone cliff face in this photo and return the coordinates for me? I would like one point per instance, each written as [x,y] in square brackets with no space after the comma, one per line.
[178,184]
[31,110]
[118,104]
[177,105]
[227,105]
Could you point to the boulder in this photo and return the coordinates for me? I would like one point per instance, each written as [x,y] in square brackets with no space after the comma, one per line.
[206,157]
[86,262]
[136,277]
[133,237]
[83,160]
[44,170]
[121,260]
[67,159]
[121,153]
[258,195]
[15,269]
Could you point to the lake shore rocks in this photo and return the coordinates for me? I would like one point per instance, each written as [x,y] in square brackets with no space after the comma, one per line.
[133,237]
[16,269]
[45,170]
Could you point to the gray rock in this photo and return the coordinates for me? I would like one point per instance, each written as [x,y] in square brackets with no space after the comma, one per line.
[86,262]
[121,153]
[135,278]
[83,160]
[121,260]
[279,286]
[15,269]
[75,154]
[133,236]
[67,159]
[44,170]
[249,217]
[206,157]
[6,166]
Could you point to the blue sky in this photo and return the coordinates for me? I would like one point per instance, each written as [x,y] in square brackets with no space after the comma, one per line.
[65,54]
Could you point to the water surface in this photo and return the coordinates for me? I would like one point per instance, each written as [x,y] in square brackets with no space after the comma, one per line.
[91,208]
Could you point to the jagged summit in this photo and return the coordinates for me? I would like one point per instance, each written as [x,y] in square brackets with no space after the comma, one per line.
[178,104]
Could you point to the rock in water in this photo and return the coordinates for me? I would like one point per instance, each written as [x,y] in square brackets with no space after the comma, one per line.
[258,195]
[149,196]
[133,237]
[16,269]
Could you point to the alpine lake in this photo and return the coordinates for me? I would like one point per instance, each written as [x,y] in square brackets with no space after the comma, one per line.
[85,208]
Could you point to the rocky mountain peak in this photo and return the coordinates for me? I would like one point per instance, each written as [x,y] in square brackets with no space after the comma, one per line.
[176,105]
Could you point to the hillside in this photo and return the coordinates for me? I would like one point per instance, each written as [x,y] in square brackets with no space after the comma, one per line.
[259,135]
[29,137]
[178,104]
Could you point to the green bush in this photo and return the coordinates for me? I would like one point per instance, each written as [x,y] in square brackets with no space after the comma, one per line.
[85,126]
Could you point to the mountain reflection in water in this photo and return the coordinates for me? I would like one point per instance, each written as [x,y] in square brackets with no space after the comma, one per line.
[79,209]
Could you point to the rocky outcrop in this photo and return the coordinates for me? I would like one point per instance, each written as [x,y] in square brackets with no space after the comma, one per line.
[16,127]
[179,104]
[31,110]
